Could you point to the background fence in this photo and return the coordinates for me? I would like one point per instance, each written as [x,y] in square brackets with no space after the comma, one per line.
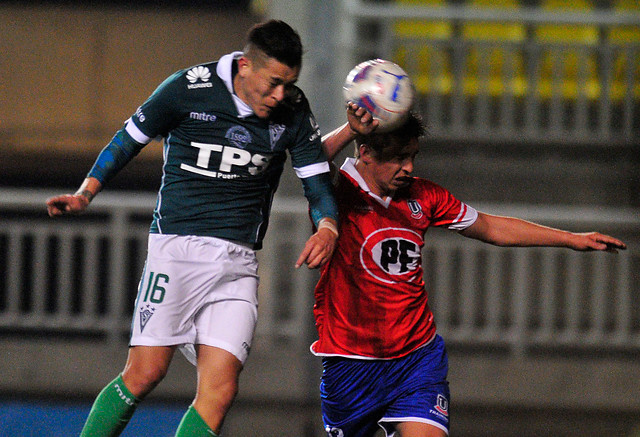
[513,71]
[80,275]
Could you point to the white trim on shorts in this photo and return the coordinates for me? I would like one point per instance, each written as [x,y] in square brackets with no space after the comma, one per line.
[390,431]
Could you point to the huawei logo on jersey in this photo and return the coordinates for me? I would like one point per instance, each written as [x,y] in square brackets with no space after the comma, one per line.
[391,255]
[199,77]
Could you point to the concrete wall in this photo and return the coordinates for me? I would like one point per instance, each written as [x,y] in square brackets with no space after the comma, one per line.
[71,76]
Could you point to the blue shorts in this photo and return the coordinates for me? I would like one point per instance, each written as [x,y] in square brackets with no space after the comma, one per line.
[360,395]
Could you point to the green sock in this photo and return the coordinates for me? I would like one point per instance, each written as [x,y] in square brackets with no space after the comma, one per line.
[111,411]
[193,425]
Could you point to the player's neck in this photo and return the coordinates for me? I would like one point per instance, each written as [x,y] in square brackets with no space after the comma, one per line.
[369,179]
[237,88]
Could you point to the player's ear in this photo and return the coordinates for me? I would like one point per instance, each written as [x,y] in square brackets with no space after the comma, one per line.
[365,153]
[244,65]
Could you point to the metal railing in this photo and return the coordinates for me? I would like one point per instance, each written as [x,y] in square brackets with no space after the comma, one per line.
[522,299]
[79,275]
[519,89]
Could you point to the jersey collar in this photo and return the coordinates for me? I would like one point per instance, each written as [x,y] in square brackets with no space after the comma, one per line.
[225,72]
[349,167]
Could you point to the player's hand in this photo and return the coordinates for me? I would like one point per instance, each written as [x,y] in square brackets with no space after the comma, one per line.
[596,241]
[360,120]
[318,249]
[67,204]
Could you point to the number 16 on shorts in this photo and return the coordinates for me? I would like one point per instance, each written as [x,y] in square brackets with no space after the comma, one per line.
[155,289]
[151,294]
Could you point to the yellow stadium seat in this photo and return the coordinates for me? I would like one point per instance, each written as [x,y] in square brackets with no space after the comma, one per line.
[426,59]
[622,39]
[568,64]
[494,62]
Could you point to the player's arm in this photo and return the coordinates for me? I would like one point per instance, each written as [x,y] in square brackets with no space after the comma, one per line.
[509,231]
[74,203]
[120,150]
[359,122]
[324,214]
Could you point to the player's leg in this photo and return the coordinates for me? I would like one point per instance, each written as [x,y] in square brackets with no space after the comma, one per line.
[116,403]
[420,405]
[111,411]
[418,429]
[225,332]
[218,373]
[224,327]
[146,366]
[193,425]
[352,396]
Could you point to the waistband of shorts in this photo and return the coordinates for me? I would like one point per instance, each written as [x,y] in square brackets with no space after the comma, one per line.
[243,244]
[249,246]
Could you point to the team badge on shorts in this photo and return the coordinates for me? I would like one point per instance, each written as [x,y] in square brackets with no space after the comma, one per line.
[334,432]
[145,314]
[442,405]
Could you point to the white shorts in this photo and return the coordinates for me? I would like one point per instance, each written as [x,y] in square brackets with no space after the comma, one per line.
[197,290]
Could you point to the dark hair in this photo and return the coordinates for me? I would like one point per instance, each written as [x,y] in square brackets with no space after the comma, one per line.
[277,40]
[387,145]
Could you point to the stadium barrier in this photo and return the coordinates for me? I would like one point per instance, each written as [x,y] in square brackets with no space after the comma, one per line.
[79,276]
[508,72]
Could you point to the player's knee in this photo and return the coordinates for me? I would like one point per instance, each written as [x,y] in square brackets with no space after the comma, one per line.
[219,395]
[226,393]
[141,380]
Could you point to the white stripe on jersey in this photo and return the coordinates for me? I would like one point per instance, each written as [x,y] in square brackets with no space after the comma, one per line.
[466,218]
[136,133]
[311,170]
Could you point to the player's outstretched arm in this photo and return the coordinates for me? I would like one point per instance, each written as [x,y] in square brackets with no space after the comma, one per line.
[69,204]
[359,122]
[509,231]
[115,155]
[320,246]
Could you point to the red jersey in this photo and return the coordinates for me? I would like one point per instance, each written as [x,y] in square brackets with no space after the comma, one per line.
[371,301]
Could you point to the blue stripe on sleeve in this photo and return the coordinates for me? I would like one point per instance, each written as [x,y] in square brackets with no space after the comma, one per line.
[120,150]
[319,192]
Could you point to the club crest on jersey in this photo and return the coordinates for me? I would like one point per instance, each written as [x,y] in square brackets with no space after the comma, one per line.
[145,314]
[314,125]
[275,132]
[239,136]
[415,208]
[392,255]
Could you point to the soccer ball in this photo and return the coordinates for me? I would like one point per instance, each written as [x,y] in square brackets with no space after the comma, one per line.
[383,89]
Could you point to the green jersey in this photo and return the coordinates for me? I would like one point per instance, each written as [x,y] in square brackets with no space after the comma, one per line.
[222,163]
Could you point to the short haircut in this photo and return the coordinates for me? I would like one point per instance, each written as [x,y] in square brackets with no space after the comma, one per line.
[277,40]
[387,145]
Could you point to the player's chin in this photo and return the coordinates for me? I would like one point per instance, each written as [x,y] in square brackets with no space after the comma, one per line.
[401,182]
[264,112]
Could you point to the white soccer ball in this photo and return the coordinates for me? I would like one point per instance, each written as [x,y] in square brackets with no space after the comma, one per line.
[382,88]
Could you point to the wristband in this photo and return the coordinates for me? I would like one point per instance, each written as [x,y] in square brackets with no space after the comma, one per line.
[328,225]
[86,194]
